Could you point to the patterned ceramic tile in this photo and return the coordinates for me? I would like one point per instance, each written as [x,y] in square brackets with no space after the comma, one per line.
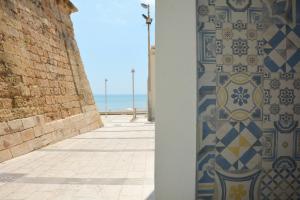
[206,39]
[275,48]
[239,96]
[280,11]
[277,144]
[239,44]
[206,11]
[278,185]
[248,99]
[293,48]
[238,146]
[281,181]
[245,10]
[281,47]
[237,186]
[206,135]
[281,95]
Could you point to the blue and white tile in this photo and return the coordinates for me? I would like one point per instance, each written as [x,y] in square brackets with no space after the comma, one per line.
[206,11]
[237,186]
[240,96]
[239,44]
[245,10]
[280,12]
[281,95]
[238,146]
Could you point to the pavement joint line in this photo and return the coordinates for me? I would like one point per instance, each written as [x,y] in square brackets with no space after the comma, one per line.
[95,150]
[20,178]
[104,138]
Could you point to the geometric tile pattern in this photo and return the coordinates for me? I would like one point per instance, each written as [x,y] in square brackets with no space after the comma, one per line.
[207,127]
[238,146]
[281,184]
[281,46]
[248,132]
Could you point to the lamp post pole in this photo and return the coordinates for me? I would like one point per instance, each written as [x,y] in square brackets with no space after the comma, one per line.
[133,106]
[105,97]
[148,22]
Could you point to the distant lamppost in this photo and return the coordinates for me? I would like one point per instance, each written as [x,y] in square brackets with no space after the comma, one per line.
[133,106]
[105,97]
[148,22]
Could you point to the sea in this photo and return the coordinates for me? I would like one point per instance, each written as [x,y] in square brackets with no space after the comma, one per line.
[120,102]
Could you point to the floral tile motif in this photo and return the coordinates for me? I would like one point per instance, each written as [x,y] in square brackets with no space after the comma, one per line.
[281,95]
[239,44]
[237,187]
[238,146]
[239,96]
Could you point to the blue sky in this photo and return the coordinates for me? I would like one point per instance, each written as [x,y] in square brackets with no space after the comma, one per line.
[112,38]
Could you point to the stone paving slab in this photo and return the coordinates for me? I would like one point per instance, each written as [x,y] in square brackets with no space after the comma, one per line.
[115,162]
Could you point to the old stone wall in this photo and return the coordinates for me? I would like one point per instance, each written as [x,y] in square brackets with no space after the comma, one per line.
[44,93]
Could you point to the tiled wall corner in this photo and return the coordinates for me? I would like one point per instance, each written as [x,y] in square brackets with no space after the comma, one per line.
[248,99]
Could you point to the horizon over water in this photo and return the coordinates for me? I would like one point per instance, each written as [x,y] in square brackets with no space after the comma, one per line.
[120,102]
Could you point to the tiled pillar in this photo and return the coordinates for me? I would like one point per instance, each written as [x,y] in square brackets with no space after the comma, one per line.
[248,135]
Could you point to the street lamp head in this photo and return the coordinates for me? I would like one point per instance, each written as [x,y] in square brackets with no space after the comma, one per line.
[132,70]
[146,18]
[145,5]
[106,80]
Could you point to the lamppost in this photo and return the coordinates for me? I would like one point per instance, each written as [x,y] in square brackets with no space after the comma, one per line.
[148,22]
[105,85]
[133,106]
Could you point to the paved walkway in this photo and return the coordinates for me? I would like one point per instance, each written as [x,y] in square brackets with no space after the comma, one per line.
[115,162]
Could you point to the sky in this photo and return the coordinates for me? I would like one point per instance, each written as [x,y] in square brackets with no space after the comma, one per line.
[112,38]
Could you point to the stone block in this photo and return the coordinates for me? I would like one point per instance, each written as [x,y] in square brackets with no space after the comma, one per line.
[29,122]
[58,136]
[2,144]
[49,127]
[46,139]
[36,143]
[5,155]
[16,125]
[38,131]
[21,149]
[11,140]
[27,134]
[4,128]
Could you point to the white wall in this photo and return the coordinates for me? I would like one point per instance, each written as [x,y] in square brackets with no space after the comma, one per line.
[175,161]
